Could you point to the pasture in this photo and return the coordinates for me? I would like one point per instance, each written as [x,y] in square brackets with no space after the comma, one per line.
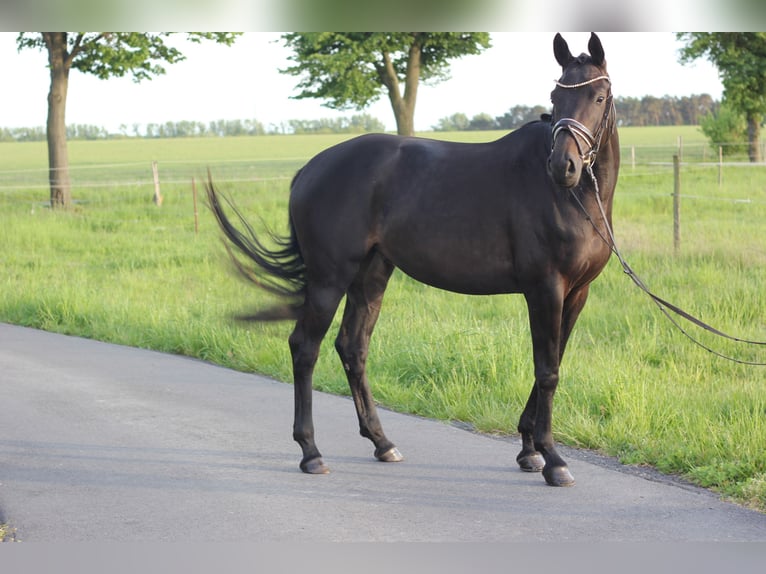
[118,268]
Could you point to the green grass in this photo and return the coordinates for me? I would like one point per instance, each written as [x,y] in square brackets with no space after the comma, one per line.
[120,269]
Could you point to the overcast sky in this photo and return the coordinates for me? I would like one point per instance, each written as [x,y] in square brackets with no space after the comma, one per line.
[243,82]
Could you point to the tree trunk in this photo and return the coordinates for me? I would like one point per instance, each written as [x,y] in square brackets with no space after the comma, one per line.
[405,121]
[411,82]
[58,156]
[403,106]
[754,136]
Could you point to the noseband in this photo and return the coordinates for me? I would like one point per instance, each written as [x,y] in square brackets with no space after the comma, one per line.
[584,138]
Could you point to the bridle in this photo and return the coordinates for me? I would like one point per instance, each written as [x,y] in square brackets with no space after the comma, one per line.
[583,137]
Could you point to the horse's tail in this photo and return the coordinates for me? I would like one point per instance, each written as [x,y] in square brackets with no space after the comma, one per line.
[280,271]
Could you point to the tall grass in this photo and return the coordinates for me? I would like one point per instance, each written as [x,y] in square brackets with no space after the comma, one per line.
[120,269]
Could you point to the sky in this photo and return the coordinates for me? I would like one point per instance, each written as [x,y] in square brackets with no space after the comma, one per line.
[243,82]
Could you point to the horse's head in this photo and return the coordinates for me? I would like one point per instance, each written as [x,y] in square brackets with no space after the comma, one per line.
[582,103]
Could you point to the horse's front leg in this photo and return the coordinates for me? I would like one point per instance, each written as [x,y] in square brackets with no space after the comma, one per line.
[529,459]
[545,320]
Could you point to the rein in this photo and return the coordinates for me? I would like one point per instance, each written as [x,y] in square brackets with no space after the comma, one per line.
[663,305]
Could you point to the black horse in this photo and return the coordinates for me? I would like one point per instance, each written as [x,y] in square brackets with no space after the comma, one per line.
[510,216]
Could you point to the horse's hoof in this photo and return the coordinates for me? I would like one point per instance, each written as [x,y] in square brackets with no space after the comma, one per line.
[531,462]
[558,476]
[391,455]
[314,466]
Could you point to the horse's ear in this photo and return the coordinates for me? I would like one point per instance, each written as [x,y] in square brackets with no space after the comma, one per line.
[596,50]
[561,51]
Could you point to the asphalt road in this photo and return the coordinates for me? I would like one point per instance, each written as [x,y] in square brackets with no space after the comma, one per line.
[100,442]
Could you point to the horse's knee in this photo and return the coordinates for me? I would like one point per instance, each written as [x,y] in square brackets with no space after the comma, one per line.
[546,384]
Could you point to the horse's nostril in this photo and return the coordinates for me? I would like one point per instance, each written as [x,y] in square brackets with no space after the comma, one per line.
[571,168]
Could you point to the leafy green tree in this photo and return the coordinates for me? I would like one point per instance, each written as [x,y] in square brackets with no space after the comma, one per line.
[454,123]
[519,115]
[105,55]
[362,123]
[352,70]
[727,128]
[482,121]
[741,61]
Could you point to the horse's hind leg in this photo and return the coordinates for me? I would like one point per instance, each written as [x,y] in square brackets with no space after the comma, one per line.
[311,327]
[363,300]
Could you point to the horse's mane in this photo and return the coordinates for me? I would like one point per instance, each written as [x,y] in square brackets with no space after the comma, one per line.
[544,119]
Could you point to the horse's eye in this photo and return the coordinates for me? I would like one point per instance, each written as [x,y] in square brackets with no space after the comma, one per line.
[600,100]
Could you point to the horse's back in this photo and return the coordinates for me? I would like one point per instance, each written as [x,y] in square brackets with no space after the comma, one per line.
[343,164]
[370,162]
[446,213]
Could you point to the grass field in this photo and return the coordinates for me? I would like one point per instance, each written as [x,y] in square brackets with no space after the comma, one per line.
[118,268]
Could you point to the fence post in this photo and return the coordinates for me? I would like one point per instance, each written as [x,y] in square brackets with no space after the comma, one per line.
[157,194]
[720,166]
[633,157]
[676,204]
[196,217]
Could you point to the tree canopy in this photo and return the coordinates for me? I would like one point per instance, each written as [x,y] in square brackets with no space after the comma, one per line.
[117,54]
[352,70]
[741,61]
[105,55]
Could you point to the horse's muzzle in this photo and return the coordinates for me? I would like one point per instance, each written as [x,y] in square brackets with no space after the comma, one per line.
[565,168]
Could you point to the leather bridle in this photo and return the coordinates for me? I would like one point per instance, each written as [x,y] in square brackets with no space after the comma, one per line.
[587,142]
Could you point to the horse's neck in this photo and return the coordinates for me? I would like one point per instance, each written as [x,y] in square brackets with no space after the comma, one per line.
[607,166]
[605,171]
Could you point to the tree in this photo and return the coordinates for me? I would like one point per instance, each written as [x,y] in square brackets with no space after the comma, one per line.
[454,123]
[725,126]
[353,70]
[482,121]
[105,55]
[519,115]
[741,61]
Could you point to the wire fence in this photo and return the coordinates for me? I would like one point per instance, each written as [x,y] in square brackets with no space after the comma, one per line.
[711,194]
[103,180]
[693,152]
[140,174]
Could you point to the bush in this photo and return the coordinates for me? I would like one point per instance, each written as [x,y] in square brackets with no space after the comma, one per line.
[726,128]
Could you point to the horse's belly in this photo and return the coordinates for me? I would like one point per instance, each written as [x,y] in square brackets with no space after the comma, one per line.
[484,286]
[456,272]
